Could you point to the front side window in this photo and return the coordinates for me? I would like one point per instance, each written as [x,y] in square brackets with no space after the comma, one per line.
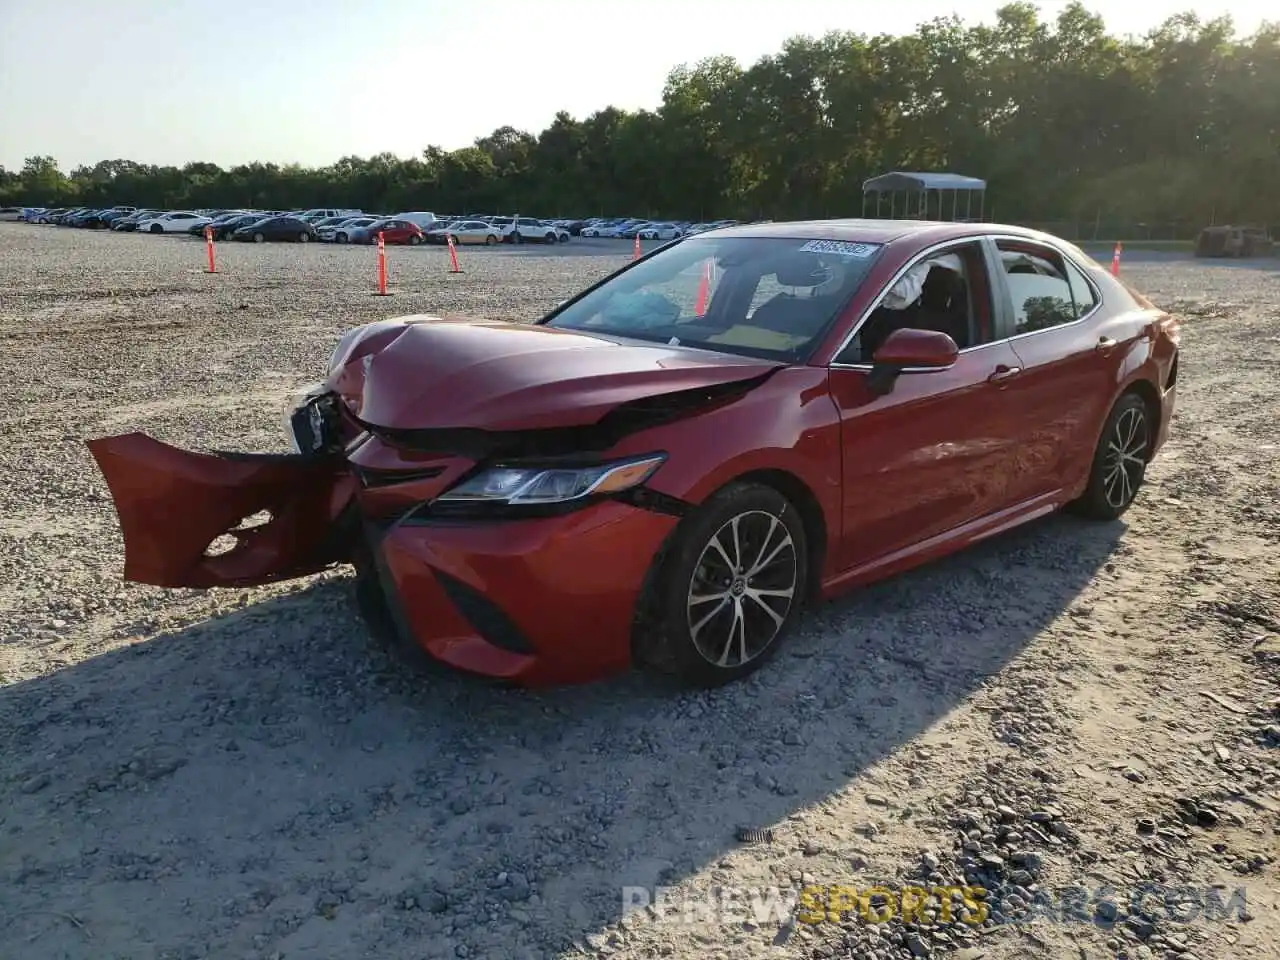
[1039,289]
[767,297]
[946,292]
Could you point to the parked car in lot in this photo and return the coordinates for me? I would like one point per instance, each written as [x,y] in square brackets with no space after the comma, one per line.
[276,229]
[424,218]
[466,232]
[661,231]
[342,231]
[682,465]
[107,219]
[176,221]
[324,213]
[129,223]
[392,230]
[607,228]
[528,230]
[219,224]
[11,213]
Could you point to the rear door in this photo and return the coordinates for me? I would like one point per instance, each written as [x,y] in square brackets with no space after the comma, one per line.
[1069,360]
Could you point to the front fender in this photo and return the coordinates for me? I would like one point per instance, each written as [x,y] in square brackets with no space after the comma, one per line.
[788,424]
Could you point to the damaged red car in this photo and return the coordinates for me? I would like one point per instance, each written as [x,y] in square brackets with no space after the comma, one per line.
[666,468]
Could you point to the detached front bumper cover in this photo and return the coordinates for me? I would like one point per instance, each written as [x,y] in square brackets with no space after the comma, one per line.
[173,504]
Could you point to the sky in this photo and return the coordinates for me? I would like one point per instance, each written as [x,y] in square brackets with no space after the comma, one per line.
[309,81]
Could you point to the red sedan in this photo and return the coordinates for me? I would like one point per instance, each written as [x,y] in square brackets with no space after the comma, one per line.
[667,467]
[394,231]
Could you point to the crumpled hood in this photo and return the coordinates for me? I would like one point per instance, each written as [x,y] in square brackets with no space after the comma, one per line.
[425,373]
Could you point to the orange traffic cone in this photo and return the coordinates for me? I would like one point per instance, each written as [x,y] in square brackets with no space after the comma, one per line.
[382,266]
[635,254]
[704,288]
[1115,260]
[453,255]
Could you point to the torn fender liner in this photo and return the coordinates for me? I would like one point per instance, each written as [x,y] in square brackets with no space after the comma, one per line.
[174,503]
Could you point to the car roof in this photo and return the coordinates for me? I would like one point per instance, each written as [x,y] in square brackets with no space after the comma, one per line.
[870,231]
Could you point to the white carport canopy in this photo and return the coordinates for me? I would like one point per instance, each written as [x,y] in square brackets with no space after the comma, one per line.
[917,188]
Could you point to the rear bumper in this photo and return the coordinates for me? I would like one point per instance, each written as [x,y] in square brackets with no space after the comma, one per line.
[536,602]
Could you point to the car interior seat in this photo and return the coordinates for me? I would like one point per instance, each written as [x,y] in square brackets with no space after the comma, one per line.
[944,305]
[803,314]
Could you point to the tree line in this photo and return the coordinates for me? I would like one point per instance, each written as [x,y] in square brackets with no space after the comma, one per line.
[1067,123]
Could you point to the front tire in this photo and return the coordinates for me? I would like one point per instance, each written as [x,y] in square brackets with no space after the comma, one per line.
[259,238]
[156,228]
[304,237]
[1120,461]
[722,597]
[490,240]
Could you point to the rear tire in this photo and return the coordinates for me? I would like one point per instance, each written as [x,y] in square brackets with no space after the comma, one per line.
[1120,461]
[490,240]
[414,240]
[721,597]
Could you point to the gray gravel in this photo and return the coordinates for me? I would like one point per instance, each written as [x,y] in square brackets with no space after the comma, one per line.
[242,774]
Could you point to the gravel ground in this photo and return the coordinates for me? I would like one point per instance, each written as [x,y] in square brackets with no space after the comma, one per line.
[242,774]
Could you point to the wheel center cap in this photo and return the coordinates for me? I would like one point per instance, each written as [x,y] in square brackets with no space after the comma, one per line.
[738,587]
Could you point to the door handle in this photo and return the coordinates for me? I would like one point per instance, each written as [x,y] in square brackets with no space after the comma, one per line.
[1003,374]
[1105,345]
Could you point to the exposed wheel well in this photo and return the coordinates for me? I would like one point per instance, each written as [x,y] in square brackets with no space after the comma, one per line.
[1147,392]
[815,527]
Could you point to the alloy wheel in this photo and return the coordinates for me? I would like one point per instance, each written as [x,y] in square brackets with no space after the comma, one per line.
[1126,457]
[742,588]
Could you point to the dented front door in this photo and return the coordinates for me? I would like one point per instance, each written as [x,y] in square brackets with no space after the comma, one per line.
[173,504]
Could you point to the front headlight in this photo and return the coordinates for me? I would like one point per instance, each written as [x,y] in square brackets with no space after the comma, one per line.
[297,400]
[515,485]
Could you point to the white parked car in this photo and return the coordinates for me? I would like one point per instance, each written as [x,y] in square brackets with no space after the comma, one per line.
[660,231]
[323,213]
[425,219]
[532,231]
[176,221]
[466,232]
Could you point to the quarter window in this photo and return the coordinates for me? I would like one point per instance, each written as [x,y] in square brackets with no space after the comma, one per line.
[1081,292]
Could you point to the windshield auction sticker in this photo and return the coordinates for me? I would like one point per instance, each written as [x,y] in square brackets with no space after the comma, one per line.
[841,248]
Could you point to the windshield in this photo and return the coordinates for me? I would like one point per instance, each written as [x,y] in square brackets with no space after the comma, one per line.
[768,297]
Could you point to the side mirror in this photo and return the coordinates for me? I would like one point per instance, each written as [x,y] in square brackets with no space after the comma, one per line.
[922,351]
